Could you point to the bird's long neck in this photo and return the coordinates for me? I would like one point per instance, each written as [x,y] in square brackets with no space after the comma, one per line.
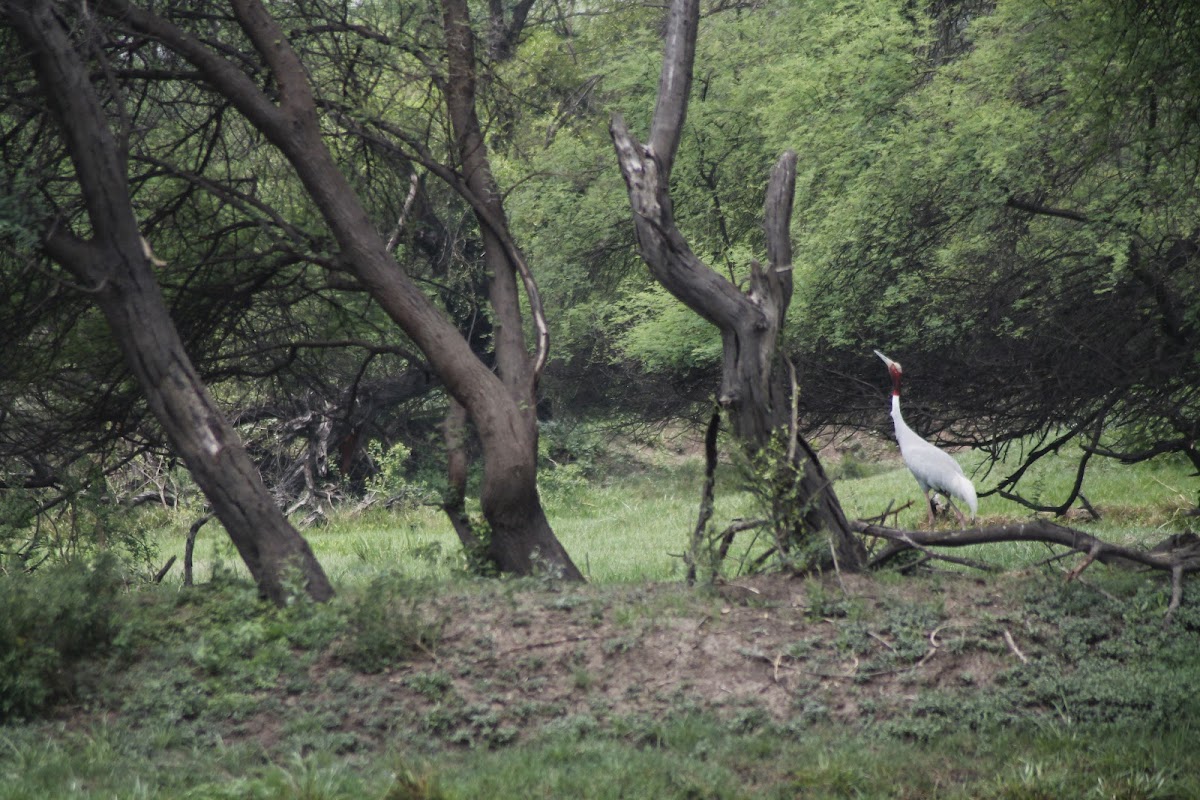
[904,434]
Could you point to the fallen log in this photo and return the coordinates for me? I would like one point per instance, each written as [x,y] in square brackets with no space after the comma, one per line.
[1177,555]
[1183,550]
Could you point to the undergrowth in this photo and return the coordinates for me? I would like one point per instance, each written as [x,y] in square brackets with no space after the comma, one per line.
[50,623]
[110,687]
[212,693]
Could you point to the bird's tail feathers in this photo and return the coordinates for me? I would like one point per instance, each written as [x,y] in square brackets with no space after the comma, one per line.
[966,490]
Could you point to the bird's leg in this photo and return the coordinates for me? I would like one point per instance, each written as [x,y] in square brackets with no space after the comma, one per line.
[930,507]
[962,520]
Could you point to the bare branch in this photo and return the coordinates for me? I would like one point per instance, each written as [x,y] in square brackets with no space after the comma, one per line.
[706,496]
[1185,556]
[1012,645]
[414,182]
[1176,592]
[1047,211]
[675,83]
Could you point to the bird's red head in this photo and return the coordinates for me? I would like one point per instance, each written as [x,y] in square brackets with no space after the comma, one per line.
[894,370]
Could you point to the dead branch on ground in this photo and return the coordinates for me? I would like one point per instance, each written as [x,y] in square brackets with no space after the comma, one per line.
[1177,555]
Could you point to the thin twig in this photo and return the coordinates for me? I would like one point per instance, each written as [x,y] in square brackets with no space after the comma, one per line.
[1176,592]
[881,640]
[1107,595]
[1055,557]
[706,495]
[551,643]
[1012,645]
[794,419]
[837,570]
[965,562]
[414,182]
[1097,547]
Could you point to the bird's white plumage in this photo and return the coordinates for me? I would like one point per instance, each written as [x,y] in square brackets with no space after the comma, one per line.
[934,470]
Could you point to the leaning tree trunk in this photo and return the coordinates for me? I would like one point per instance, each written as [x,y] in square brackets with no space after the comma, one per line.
[114,267]
[756,384]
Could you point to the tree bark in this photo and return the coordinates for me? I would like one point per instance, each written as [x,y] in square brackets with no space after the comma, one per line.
[1179,551]
[114,268]
[505,267]
[755,387]
[520,533]
[512,359]
[503,34]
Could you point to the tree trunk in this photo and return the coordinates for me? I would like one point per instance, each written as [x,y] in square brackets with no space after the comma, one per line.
[756,388]
[516,508]
[114,267]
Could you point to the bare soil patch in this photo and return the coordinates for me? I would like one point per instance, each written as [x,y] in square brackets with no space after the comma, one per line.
[849,649]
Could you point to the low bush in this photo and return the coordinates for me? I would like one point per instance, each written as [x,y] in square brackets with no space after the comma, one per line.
[387,624]
[51,620]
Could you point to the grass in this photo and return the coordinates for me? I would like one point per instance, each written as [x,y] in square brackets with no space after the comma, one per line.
[631,524]
[827,764]
[632,528]
[710,764]
[212,695]
[625,528]
[417,682]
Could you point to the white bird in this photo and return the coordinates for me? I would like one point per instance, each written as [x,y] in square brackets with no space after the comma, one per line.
[934,470]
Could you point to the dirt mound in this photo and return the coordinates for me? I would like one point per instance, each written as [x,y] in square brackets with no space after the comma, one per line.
[849,649]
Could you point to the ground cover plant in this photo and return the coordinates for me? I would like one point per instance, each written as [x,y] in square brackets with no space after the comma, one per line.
[419,681]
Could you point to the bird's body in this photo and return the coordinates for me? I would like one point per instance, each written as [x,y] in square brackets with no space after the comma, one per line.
[934,469]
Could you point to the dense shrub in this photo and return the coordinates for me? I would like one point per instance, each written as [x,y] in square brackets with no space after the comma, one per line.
[388,624]
[50,620]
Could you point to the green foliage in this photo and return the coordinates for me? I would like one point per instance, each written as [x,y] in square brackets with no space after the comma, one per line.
[563,442]
[774,479]
[81,520]
[389,466]
[388,623]
[18,514]
[1106,679]
[910,150]
[661,333]
[215,682]
[392,478]
[412,785]
[982,199]
[52,621]
[571,455]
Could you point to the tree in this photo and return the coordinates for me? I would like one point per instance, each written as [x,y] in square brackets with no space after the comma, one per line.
[756,386]
[112,265]
[290,117]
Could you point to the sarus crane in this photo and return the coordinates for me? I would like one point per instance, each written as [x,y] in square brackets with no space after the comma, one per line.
[934,470]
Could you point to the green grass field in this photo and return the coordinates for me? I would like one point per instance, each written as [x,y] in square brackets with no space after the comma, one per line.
[419,682]
[632,526]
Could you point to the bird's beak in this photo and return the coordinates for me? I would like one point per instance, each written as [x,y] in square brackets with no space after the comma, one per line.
[887,360]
